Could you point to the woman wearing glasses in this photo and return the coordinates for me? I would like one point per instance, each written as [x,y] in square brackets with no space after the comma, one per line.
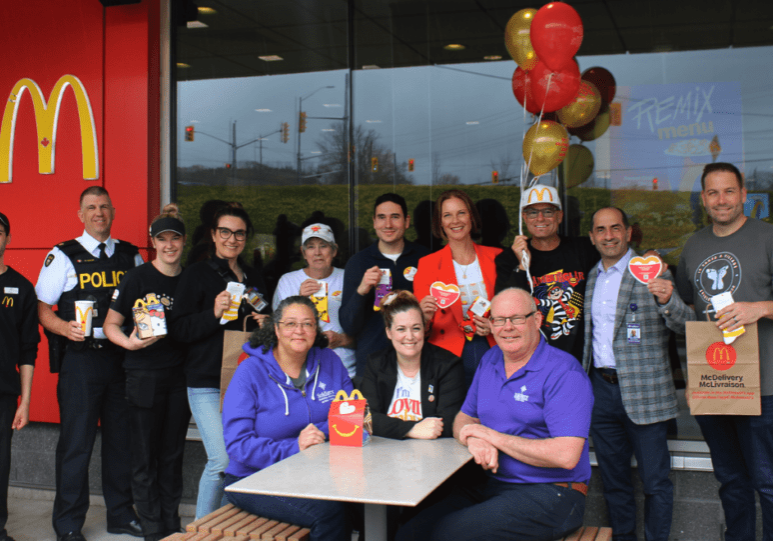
[277,405]
[458,274]
[200,301]
[414,389]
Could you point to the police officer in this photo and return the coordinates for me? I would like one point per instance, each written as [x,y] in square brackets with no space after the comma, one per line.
[91,384]
[19,337]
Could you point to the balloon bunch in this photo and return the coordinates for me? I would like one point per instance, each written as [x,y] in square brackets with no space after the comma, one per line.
[543,43]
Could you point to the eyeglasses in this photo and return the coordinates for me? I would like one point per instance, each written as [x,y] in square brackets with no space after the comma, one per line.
[305,326]
[532,213]
[226,233]
[515,320]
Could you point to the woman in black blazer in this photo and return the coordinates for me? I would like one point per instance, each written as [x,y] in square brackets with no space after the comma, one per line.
[414,389]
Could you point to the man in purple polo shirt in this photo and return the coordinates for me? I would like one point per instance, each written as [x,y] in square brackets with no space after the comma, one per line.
[525,420]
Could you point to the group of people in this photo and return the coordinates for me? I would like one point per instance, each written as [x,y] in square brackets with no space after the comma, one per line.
[520,354]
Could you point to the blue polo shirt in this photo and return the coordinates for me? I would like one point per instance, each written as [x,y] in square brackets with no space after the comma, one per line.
[551,396]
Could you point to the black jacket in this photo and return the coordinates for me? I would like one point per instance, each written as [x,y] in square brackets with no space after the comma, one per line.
[440,369]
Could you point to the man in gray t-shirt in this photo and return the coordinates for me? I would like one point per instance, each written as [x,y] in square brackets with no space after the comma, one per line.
[735,254]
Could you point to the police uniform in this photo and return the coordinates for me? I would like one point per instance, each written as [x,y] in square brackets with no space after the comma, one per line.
[92,383]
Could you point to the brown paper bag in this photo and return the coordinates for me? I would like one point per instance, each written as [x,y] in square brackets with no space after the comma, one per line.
[233,355]
[723,379]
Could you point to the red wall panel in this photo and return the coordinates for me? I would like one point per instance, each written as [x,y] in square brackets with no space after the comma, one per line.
[110,50]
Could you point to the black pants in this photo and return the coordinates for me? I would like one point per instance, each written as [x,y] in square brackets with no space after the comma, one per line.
[92,388]
[7,413]
[159,417]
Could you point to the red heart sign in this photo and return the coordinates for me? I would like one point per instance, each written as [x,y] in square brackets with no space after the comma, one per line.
[645,270]
[446,295]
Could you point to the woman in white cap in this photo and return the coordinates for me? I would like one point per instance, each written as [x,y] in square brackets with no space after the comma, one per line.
[323,283]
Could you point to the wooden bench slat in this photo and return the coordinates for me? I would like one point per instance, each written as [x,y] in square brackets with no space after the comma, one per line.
[208,526]
[238,527]
[589,534]
[211,536]
[194,526]
[279,528]
[605,534]
[258,532]
[226,522]
[284,534]
[301,535]
[251,527]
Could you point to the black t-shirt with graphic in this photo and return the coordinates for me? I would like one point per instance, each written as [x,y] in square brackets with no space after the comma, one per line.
[559,278]
[147,283]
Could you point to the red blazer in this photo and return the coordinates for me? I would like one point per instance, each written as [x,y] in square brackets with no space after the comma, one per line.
[439,266]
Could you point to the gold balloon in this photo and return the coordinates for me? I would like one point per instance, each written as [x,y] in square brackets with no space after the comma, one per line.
[545,144]
[595,128]
[518,40]
[579,165]
[583,108]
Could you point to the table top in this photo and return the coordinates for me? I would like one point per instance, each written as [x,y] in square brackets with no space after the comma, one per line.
[384,471]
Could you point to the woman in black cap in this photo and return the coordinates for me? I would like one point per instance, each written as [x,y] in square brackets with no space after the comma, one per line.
[155,383]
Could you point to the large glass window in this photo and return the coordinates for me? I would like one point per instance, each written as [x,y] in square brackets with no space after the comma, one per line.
[307,110]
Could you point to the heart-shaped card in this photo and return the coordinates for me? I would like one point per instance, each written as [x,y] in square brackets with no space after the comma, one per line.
[446,294]
[645,269]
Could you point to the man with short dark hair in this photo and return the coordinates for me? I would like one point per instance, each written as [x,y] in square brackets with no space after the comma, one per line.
[735,254]
[558,267]
[19,338]
[626,353]
[525,420]
[359,317]
[92,382]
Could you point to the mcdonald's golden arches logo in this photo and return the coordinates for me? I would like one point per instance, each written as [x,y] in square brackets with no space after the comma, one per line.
[46,119]
[540,193]
[720,356]
[8,301]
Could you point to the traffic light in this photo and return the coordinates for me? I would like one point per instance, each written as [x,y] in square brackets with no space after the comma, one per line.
[228,166]
[189,133]
[302,122]
[410,165]
[654,184]
[374,164]
[495,177]
[285,131]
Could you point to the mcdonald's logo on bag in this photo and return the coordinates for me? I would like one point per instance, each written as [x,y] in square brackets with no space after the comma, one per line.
[8,301]
[46,119]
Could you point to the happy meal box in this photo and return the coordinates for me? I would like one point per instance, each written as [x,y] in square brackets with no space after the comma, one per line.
[347,419]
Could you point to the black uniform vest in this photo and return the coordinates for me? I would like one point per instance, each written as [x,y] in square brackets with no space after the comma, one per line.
[96,278]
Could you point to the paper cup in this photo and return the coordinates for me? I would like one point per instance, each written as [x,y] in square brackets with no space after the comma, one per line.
[84,311]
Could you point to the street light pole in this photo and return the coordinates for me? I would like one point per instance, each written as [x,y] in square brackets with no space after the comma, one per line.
[300,112]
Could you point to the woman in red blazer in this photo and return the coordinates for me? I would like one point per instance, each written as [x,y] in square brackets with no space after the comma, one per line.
[467,268]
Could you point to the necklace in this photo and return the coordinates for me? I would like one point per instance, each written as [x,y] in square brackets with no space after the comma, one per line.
[464,267]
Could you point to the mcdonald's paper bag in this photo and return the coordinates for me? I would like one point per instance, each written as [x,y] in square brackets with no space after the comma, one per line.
[723,379]
[346,419]
[233,355]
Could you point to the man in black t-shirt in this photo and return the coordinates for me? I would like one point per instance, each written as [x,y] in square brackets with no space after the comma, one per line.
[558,267]
[19,337]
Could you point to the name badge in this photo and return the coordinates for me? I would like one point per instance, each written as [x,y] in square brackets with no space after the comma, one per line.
[12,290]
[634,333]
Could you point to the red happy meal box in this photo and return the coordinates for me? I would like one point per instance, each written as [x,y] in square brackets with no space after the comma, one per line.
[347,418]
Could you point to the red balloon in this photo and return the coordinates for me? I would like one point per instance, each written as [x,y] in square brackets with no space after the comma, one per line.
[556,34]
[604,81]
[541,86]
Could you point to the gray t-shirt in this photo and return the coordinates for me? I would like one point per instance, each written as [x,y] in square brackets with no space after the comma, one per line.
[741,263]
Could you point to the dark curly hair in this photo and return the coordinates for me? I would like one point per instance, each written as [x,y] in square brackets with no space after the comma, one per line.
[265,335]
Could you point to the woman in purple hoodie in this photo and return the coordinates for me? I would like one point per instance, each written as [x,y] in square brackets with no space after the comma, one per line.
[277,405]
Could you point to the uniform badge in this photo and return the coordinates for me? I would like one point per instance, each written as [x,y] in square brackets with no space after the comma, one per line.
[49,260]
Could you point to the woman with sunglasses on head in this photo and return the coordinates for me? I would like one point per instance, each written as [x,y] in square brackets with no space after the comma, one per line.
[460,272]
[277,405]
[155,384]
[201,301]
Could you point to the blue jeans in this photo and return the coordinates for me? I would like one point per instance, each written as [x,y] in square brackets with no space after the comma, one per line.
[472,353]
[615,439]
[499,511]
[742,455]
[205,407]
[326,519]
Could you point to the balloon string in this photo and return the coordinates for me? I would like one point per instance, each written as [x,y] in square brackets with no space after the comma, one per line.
[542,111]
[526,264]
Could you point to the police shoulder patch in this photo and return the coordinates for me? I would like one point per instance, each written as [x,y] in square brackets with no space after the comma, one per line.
[49,259]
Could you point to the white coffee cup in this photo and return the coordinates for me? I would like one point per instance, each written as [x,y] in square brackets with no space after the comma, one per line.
[84,312]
